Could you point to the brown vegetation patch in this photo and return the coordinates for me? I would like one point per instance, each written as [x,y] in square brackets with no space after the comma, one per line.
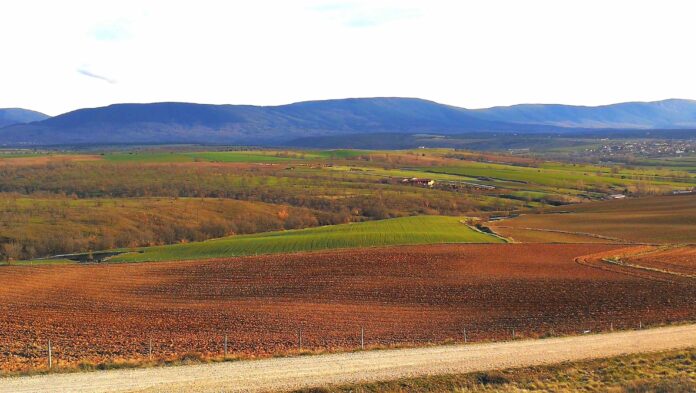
[32,227]
[48,159]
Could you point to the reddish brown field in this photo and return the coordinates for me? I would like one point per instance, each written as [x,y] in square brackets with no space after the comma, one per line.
[654,220]
[401,295]
[663,263]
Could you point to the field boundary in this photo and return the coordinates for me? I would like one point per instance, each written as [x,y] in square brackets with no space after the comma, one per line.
[587,234]
[491,233]
[307,371]
[619,262]
[616,268]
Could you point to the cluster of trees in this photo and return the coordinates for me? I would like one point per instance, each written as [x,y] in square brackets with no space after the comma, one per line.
[39,226]
[343,196]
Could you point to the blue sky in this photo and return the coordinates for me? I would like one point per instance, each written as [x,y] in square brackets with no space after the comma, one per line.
[60,56]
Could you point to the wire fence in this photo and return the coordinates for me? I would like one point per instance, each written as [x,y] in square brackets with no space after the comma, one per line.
[166,346]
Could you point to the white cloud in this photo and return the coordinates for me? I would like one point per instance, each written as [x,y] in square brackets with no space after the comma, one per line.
[469,53]
[111,31]
[91,74]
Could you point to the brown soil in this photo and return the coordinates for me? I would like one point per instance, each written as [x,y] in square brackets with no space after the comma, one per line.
[400,295]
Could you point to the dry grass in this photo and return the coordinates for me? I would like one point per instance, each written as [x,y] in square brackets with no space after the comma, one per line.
[666,372]
[32,160]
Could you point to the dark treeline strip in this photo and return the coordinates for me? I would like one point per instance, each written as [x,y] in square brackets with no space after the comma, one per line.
[346,195]
[39,226]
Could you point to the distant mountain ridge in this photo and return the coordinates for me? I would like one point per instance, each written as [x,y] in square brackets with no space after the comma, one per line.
[10,116]
[172,122]
[175,122]
[666,114]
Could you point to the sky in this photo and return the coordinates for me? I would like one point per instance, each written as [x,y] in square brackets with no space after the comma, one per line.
[63,55]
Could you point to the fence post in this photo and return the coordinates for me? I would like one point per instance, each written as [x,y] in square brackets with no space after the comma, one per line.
[362,337]
[513,333]
[299,337]
[611,327]
[225,351]
[50,354]
[465,339]
[640,325]
[149,349]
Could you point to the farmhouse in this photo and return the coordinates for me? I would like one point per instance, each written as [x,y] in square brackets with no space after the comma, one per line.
[463,185]
[415,181]
[617,196]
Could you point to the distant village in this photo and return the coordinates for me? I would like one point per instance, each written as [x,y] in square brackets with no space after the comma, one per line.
[646,148]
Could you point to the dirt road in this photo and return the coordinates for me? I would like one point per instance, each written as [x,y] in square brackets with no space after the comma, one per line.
[289,373]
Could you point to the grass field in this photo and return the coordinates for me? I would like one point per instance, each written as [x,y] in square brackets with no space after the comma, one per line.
[406,230]
[210,156]
[243,156]
[569,177]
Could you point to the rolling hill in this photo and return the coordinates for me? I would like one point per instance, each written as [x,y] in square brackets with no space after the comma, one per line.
[395,231]
[298,123]
[11,116]
[244,124]
[666,114]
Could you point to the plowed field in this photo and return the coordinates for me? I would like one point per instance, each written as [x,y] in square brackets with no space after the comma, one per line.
[662,263]
[661,219]
[411,294]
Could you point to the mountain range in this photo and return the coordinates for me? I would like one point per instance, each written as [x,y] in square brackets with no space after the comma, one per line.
[10,116]
[174,122]
[666,114]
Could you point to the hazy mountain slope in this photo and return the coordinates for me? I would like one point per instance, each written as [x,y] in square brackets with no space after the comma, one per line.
[244,124]
[10,116]
[665,114]
[170,122]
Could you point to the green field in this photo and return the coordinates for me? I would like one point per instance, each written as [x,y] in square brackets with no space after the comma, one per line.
[246,156]
[208,156]
[566,177]
[405,230]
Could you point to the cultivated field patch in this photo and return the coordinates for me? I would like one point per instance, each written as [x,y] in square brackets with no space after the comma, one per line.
[663,263]
[399,295]
[663,219]
[405,230]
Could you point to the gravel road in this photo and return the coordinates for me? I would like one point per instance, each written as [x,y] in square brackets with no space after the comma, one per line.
[287,373]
